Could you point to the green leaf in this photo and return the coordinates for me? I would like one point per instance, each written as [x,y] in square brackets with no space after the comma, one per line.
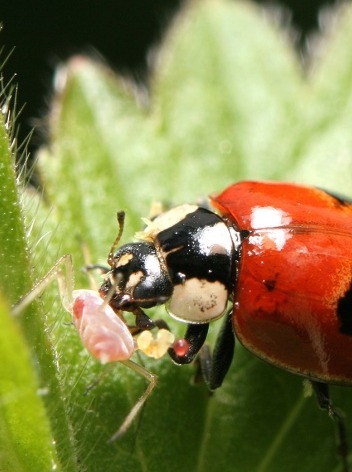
[229,101]
[26,438]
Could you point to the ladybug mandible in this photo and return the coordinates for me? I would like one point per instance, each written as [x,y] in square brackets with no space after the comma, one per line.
[280,253]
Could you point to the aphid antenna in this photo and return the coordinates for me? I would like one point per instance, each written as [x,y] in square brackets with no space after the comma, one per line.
[88,265]
[121,223]
[64,278]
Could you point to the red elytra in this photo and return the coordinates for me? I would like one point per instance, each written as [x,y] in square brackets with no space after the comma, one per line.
[293,297]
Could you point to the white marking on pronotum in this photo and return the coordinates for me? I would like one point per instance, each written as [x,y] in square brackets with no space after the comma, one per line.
[198,301]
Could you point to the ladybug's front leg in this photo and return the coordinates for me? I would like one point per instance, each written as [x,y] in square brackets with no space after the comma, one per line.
[322,394]
[213,366]
[185,350]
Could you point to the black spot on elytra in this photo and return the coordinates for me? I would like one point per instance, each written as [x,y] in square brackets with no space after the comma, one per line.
[244,233]
[344,312]
[270,284]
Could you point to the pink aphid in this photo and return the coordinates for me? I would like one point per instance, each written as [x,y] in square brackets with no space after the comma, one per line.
[102,333]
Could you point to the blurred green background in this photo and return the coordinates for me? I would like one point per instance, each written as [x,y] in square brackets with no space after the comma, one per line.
[44,33]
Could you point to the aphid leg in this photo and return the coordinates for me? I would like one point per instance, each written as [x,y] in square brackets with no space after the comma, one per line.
[322,394]
[99,379]
[102,269]
[65,279]
[152,379]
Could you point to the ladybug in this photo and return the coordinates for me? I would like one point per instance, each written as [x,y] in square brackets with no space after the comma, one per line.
[280,254]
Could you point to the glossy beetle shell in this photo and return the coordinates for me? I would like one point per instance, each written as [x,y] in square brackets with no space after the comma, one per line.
[293,297]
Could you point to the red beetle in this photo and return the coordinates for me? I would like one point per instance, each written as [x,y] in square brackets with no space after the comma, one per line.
[281,253]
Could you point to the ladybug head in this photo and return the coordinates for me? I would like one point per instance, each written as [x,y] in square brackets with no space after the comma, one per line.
[185,259]
[136,278]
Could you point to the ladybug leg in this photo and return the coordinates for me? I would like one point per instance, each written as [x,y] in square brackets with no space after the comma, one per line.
[214,367]
[160,324]
[322,394]
[194,339]
[143,321]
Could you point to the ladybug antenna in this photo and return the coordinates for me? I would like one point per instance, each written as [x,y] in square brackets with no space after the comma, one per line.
[121,223]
